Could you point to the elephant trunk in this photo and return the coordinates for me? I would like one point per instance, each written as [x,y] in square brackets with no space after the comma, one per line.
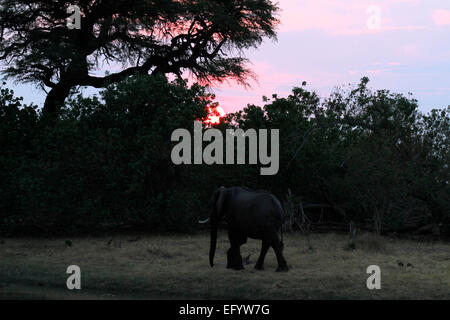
[212,248]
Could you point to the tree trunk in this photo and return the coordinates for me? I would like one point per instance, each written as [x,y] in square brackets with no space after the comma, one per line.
[55,99]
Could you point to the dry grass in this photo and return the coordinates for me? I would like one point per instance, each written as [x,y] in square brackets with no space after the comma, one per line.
[176,267]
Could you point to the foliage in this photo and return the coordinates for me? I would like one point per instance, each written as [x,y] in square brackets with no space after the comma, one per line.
[103,164]
[370,156]
[204,37]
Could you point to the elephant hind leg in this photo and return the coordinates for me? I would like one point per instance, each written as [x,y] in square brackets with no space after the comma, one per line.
[278,246]
[260,263]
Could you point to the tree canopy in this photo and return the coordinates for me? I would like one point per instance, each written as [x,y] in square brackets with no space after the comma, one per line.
[205,37]
[370,156]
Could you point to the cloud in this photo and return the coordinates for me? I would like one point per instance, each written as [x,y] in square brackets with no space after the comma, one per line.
[441,17]
[375,71]
[411,50]
[322,15]
[348,17]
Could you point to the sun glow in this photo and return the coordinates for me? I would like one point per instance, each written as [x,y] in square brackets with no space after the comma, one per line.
[215,114]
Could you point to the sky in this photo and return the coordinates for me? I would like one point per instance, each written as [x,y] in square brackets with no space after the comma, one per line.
[401,45]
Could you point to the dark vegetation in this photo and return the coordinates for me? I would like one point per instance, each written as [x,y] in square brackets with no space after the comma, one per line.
[204,37]
[360,158]
[366,157]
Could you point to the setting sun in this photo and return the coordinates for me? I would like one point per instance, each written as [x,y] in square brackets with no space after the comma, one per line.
[214,116]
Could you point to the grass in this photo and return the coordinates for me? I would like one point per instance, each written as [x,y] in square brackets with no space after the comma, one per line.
[176,267]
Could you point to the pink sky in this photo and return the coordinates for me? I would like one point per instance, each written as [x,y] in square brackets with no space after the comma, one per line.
[328,43]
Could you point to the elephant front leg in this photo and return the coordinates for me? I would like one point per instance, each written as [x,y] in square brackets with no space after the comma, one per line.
[234,259]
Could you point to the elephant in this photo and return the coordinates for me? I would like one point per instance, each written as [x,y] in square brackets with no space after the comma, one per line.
[249,214]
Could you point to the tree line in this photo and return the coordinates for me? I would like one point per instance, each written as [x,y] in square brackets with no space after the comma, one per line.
[368,157]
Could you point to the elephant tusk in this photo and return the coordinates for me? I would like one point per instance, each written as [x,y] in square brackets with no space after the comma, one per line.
[204,221]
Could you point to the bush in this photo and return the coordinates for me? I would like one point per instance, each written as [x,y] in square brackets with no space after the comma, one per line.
[372,157]
[103,164]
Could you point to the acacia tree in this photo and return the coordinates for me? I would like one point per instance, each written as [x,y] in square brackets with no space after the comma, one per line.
[205,37]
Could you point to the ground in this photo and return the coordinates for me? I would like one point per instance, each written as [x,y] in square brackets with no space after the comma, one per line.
[176,267]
